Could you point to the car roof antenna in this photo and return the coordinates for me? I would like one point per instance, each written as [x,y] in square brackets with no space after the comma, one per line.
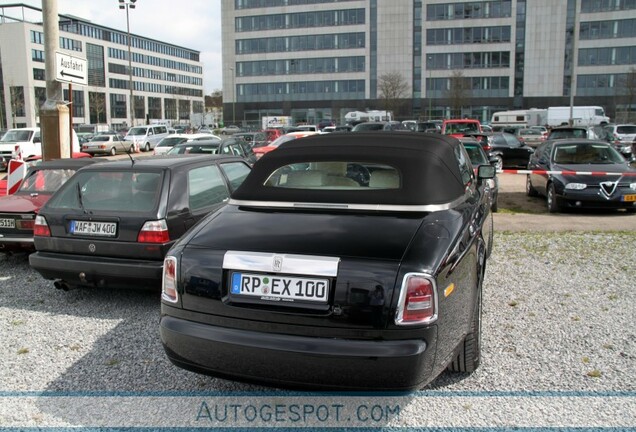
[127,151]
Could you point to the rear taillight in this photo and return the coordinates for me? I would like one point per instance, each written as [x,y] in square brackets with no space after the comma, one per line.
[487,147]
[154,232]
[25,224]
[169,281]
[40,227]
[418,300]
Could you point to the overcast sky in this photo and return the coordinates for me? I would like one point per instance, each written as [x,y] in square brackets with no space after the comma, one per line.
[194,24]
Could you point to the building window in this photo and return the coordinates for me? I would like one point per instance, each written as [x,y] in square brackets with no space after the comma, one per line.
[39,74]
[118,107]
[37,56]
[96,66]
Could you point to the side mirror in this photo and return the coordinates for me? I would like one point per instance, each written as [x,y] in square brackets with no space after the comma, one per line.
[486,172]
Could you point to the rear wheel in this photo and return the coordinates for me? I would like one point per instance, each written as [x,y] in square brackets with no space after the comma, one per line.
[131,149]
[113,151]
[469,356]
[530,190]
[147,147]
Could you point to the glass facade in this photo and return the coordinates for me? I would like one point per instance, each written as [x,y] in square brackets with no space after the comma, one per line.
[300,20]
[469,10]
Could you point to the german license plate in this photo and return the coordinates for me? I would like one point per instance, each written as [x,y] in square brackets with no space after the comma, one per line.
[7,223]
[629,198]
[280,288]
[92,228]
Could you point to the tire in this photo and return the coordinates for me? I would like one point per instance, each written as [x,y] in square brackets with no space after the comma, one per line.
[495,205]
[469,356]
[530,190]
[113,151]
[552,200]
[498,162]
[131,149]
[147,147]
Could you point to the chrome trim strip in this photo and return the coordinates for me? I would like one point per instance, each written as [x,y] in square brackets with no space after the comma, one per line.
[15,239]
[281,263]
[337,206]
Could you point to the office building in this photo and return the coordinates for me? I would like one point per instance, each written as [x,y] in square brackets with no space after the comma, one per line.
[317,59]
[167,79]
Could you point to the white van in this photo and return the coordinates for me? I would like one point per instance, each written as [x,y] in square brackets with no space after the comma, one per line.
[145,137]
[24,143]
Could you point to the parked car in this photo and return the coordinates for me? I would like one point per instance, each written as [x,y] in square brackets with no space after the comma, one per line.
[460,127]
[325,122]
[145,137]
[18,211]
[272,134]
[260,151]
[577,187]
[343,128]
[229,146]
[112,224]
[252,138]
[505,148]
[427,126]
[170,141]
[369,126]
[542,129]
[349,286]
[598,133]
[479,157]
[531,137]
[624,135]
[229,130]
[396,126]
[108,144]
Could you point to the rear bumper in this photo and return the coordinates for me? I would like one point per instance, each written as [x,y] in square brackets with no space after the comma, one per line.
[9,242]
[81,270]
[298,361]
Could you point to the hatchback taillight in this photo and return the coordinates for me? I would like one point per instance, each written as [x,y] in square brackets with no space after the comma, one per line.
[25,224]
[169,281]
[40,227]
[418,300]
[154,232]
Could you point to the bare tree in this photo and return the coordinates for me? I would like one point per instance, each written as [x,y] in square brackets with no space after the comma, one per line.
[630,91]
[97,107]
[17,103]
[457,93]
[214,100]
[393,90]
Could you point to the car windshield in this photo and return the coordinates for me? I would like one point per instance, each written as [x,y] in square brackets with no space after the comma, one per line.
[626,129]
[111,191]
[586,153]
[46,180]
[101,138]
[17,135]
[137,131]
[568,133]
[193,147]
[335,175]
[171,141]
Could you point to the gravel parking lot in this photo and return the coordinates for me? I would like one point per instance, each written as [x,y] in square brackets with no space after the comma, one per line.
[559,346]
[559,349]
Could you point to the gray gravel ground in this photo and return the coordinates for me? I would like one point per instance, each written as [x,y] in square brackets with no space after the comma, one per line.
[558,321]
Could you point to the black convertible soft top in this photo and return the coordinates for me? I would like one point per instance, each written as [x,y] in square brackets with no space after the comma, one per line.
[427,163]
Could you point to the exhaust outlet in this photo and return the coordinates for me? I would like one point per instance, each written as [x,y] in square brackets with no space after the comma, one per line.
[61,285]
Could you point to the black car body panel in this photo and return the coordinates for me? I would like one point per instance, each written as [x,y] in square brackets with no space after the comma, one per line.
[126,196]
[505,147]
[610,183]
[362,249]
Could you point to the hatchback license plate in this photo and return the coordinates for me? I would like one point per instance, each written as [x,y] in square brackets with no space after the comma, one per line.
[280,288]
[92,228]
[629,198]
[7,223]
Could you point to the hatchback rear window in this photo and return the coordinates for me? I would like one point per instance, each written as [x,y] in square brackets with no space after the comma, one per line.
[335,175]
[117,191]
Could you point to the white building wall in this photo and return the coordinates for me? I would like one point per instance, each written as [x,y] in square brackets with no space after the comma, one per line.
[545,48]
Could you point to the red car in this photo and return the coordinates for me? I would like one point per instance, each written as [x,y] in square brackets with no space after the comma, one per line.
[18,211]
[260,151]
[459,127]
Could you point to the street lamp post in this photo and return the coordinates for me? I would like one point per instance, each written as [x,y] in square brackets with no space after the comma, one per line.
[129,4]
[429,86]
[233,98]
